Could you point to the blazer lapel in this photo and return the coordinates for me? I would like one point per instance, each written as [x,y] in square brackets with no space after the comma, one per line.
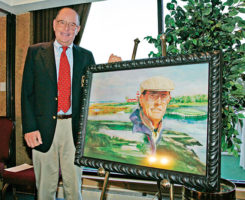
[48,58]
[77,61]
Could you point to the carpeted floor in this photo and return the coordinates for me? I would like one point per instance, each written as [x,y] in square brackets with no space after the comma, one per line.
[19,197]
[230,169]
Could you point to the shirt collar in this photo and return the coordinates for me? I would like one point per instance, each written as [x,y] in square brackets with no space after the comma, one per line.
[58,45]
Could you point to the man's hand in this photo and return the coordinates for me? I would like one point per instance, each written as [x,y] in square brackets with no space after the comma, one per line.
[33,139]
[114,58]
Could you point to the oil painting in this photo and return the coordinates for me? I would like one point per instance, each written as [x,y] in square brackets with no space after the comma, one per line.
[151,117]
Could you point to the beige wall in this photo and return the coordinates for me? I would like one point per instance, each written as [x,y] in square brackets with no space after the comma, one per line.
[2,65]
[23,40]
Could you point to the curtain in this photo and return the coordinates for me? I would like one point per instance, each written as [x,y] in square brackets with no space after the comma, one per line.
[42,21]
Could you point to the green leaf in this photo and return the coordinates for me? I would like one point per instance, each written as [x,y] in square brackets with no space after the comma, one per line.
[191,2]
[170,6]
[238,18]
[237,140]
[194,42]
[228,27]
[243,33]
[235,153]
[241,10]
[207,11]
[241,116]
[233,13]
[228,3]
[242,47]
[241,23]
[148,37]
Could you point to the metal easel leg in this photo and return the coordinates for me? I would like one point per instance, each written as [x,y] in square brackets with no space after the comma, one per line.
[166,184]
[171,191]
[102,172]
[159,190]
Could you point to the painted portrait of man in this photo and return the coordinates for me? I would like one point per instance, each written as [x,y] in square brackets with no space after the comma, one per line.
[154,98]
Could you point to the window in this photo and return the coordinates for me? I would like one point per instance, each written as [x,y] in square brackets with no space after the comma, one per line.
[113,25]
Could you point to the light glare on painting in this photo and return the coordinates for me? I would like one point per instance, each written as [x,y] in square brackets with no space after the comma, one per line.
[152,159]
[164,161]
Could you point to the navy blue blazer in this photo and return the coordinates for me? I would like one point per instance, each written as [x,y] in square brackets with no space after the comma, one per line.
[39,100]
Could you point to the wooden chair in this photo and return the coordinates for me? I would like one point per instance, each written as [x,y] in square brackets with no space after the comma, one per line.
[25,177]
[21,178]
[6,131]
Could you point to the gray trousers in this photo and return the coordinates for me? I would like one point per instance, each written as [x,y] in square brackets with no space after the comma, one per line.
[60,156]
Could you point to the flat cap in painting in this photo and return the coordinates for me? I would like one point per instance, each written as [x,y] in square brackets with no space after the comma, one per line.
[157,83]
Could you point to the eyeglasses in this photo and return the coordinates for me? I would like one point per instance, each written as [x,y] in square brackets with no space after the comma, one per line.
[71,25]
[153,96]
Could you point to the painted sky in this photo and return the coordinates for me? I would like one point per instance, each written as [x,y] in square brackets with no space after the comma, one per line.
[115,86]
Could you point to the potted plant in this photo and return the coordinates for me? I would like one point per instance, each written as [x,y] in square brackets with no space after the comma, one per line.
[208,25]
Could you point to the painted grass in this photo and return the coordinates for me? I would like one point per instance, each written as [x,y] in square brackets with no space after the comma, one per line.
[174,146]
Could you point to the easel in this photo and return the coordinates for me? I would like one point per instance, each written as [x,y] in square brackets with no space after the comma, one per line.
[160,184]
[165,184]
[101,171]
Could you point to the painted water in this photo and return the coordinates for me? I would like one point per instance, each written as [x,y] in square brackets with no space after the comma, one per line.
[196,128]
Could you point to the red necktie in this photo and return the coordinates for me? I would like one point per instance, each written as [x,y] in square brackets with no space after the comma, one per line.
[64,83]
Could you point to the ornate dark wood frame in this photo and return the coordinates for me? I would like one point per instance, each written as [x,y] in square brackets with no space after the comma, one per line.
[211,181]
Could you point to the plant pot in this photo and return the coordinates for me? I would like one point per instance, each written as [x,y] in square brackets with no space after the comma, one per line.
[227,192]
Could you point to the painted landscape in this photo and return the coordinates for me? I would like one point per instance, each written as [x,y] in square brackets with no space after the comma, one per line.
[109,135]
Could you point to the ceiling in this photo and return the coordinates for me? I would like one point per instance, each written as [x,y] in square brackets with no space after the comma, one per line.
[22,6]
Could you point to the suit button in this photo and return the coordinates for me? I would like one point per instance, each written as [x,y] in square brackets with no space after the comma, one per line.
[54,117]
[55,98]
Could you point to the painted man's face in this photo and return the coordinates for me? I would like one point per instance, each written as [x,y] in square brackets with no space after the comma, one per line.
[154,104]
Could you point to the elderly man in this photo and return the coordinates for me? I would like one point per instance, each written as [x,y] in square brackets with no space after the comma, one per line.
[153,101]
[51,90]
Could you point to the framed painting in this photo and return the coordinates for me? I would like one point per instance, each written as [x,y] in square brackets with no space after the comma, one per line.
[157,118]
